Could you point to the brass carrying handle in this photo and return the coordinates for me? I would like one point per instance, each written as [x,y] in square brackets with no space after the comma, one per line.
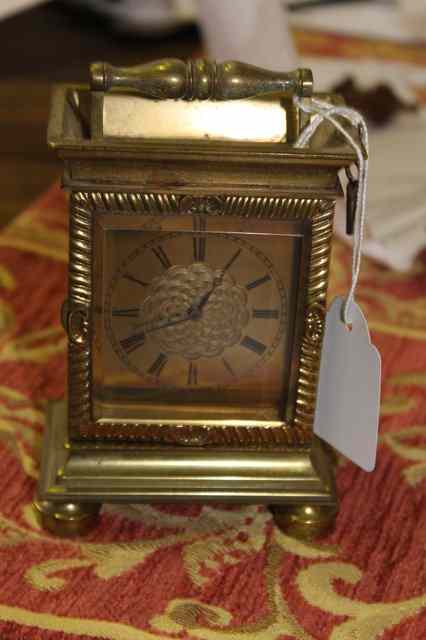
[200,80]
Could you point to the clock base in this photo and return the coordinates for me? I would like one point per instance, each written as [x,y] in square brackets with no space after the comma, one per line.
[77,477]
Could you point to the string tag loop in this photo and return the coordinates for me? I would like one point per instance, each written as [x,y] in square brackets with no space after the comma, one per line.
[321,111]
[348,398]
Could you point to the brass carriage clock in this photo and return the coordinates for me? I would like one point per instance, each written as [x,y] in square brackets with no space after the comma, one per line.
[198,268]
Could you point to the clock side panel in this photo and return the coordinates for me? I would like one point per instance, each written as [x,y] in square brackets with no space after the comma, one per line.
[313,220]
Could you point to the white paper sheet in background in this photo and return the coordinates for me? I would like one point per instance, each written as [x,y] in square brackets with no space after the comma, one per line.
[404,20]
[396,195]
[385,22]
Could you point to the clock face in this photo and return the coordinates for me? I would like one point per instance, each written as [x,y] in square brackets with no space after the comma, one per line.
[195,311]
[194,318]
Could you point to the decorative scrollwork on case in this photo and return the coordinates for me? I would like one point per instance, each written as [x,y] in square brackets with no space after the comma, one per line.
[295,433]
[314,323]
[76,323]
[211,205]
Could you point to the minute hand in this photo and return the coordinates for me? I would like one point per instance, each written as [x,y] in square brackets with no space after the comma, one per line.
[169,323]
[150,327]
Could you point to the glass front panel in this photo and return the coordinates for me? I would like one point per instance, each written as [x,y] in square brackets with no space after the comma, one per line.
[195,318]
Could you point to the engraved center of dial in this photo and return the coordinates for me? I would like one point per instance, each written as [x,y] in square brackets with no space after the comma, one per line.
[195,311]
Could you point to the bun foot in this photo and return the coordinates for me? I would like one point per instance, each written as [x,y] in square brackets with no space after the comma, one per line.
[67,519]
[305,522]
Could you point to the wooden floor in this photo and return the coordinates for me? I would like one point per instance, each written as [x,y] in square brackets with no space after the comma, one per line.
[46,45]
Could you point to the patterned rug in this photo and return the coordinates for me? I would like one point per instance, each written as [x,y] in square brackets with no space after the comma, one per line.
[208,572]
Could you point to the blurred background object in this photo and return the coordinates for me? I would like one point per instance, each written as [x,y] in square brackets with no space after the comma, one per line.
[379,104]
[55,42]
[370,41]
[413,17]
[143,17]
[9,7]
[373,52]
[256,32]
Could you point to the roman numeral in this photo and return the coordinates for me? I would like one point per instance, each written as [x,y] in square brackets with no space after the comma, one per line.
[158,365]
[258,282]
[192,373]
[253,345]
[228,367]
[162,256]
[133,342]
[266,314]
[199,247]
[232,260]
[126,313]
[199,243]
[128,276]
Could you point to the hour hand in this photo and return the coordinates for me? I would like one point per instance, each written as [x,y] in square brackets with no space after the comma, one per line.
[197,307]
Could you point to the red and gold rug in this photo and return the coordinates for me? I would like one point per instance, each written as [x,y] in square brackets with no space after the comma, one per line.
[208,572]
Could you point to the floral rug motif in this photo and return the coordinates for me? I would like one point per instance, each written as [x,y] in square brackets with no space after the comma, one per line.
[207,572]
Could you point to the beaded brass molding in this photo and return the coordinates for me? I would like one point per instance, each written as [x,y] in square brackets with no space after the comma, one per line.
[322,229]
[198,435]
[79,298]
[268,208]
[294,433]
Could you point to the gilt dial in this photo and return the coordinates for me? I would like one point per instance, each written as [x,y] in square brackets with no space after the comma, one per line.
[193,310]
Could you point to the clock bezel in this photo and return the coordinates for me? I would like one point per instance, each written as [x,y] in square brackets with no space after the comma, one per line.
[317,213]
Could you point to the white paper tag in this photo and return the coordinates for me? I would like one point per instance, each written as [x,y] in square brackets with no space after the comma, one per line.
[348,399]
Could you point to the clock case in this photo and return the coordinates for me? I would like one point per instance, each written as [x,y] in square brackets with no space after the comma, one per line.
[86,463]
